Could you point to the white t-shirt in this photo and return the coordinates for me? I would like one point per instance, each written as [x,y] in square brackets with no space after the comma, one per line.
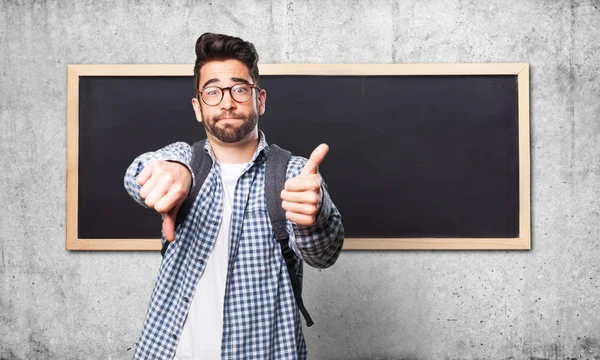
[201,335]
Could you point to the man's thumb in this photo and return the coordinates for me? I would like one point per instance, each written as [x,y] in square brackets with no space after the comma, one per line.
[316,158]
[168,226]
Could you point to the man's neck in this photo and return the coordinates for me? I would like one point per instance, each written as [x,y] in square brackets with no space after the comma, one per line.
[240,152]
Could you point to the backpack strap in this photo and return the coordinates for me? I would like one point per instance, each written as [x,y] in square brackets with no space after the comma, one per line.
[201,165]
[275,176]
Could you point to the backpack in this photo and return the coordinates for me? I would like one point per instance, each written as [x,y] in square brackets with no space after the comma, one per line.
[275,176]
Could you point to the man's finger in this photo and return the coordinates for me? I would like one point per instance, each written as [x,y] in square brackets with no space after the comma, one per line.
[157,193]
[155,188]
[299,197]
[300,219]
[168,201]
[303,183]
[316,158]
[169,223]
[302,209]
[146,173]
[149,186]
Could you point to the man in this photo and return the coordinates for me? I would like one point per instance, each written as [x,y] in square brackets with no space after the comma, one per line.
[223,290]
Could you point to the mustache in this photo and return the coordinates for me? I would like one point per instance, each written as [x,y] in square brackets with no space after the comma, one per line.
[229,115]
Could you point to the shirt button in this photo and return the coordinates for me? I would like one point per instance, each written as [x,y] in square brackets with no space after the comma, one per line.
[201,262]
[186,299]
[174,336]
[214,222]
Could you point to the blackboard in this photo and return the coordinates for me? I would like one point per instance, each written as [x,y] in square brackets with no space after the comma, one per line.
[435,158]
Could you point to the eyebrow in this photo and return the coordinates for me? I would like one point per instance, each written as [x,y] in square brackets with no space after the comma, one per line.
[234,79]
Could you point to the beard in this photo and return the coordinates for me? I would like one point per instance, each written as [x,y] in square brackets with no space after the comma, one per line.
[230,133]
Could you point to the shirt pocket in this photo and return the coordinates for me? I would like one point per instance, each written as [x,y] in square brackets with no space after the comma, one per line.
[256,207]
[257,238]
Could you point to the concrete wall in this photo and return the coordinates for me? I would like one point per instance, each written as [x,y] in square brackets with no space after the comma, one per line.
[536,304]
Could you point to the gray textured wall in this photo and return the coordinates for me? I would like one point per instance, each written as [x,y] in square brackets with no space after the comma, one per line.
[541,303]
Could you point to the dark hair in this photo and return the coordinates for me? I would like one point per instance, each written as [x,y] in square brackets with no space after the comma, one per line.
[211,47]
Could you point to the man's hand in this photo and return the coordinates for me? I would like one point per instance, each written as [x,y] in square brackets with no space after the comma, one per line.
[302,194]
[165,185]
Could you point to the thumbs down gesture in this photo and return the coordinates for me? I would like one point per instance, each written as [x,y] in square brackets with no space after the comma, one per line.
[301,196]
[165,186]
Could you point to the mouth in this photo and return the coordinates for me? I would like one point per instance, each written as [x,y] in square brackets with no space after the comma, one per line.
[229,118]
[229,121]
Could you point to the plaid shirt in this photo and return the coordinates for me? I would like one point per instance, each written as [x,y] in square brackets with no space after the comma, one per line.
[260,316]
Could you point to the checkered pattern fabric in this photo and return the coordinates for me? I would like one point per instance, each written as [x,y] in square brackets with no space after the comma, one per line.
[260,316]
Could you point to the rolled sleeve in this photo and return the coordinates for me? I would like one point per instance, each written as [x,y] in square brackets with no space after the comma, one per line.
[320,244]
[180,152]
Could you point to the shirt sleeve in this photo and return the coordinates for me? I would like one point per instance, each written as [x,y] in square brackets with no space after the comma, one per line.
[318,245]
[180,152]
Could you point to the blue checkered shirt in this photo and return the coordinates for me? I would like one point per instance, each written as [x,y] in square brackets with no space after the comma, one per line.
[260,316]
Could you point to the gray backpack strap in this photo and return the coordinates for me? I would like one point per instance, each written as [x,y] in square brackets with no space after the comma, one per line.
[275,176]
[201,165]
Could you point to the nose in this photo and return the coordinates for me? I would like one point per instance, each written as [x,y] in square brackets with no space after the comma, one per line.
[227,103]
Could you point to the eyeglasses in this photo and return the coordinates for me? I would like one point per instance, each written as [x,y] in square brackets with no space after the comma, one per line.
[213,95]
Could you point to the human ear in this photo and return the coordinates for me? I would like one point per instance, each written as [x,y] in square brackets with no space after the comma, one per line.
[262,101]
[197,109]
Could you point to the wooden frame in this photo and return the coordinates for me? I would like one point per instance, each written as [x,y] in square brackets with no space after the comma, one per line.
[523,242]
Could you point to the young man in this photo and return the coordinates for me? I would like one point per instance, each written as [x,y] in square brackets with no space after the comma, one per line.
[223,290]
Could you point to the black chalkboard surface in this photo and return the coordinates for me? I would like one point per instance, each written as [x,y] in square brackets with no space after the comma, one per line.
[415,161]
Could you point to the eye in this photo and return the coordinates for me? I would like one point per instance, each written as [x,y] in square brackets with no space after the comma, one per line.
[211,91]
[241,89]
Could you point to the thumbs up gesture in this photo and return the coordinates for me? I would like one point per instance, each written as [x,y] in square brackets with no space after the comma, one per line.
[301,196]
[165,186]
